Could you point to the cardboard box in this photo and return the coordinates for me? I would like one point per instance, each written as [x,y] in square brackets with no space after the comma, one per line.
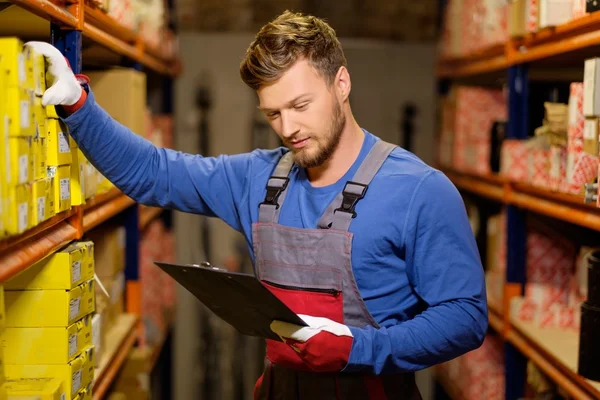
[75,375]
[60,178]
[56,345]
[517,18]
[128,107]
[65,269]
[554,12]
[97,337]
[91,180]
[17,64]
[19,107]
[590,136]
[591,92]
[59,148]
[19,168]
[78,177]
[49,308]
[18,209]
[109,250]
[42,202]
[35,388]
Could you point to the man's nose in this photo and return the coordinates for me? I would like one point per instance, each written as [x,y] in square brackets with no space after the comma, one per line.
[289,127]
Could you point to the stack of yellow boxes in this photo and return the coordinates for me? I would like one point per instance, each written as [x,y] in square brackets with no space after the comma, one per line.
[18,129]
[49,309]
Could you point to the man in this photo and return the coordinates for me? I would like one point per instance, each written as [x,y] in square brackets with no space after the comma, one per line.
[367,243]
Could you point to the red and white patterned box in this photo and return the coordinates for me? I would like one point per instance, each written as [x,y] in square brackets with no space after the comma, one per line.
[558,166]
[514,158]
[578,8]
[123,12]
[576,117]
[538,165]
[531,24]
[585,170]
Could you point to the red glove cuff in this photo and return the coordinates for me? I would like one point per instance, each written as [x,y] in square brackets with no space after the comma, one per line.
[72,108]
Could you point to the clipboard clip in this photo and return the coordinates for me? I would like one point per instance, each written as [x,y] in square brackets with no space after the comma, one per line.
[207,265]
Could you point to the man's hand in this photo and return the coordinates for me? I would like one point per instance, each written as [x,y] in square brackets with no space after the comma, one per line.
[63,87]
[324,345]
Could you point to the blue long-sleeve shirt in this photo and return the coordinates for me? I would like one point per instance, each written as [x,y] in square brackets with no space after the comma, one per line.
[414,256]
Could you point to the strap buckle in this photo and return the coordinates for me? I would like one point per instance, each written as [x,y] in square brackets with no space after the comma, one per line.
[273,192]
[350,198]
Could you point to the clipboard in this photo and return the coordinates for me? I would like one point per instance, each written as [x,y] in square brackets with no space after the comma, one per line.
[237,298]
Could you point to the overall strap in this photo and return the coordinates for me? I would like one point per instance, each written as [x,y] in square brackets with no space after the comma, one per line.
[340,212]
[268,210]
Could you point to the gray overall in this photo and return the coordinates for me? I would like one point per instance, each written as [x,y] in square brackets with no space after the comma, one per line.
[310,270]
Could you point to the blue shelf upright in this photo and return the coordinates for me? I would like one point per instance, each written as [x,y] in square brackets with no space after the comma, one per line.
[516,231]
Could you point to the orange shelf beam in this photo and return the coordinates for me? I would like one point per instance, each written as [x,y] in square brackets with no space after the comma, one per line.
[147,215]
[561,206]
[589,218]
[47,10]
[95,216]
[127,330]
[19,253]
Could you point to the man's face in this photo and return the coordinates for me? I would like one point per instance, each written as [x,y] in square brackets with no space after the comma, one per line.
[305,113]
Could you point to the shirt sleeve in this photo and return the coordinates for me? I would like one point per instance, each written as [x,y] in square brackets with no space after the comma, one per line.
[213,186]
[444,267]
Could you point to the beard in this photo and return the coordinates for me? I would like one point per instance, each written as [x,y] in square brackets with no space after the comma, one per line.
[326,145]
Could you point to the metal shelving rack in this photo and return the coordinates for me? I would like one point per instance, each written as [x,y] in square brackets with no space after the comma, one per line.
[561,46]
[69,25]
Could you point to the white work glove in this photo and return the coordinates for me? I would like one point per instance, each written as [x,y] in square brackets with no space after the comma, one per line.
[324,345]
[63,87]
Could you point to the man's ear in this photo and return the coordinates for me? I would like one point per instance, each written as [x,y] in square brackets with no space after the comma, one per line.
[342,83]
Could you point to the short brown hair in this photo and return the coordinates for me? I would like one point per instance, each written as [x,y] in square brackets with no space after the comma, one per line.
[288,38]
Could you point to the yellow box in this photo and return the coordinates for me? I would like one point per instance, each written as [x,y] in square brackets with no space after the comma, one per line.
[19,108]
[59,149]
[17,64]
[39,149]
[40,116]
[77,177]
[35,388]
[47,345]
[75,375]
[42,202]
[88,262]
[85,394]
[17,212]
[19,168]
[48,308]
[39,74]
[65,269]
[60,178]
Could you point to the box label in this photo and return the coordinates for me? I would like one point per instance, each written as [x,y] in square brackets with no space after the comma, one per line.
[22,73]
[41,208]
[76,382]
[25,113]
[65,189]
[74,308]
[72,345]
[76,271]
[23,168]
[63,143]
[22,217]
[63,396]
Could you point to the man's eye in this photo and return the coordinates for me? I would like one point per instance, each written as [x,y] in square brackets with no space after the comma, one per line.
[301,107]
[273,115]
